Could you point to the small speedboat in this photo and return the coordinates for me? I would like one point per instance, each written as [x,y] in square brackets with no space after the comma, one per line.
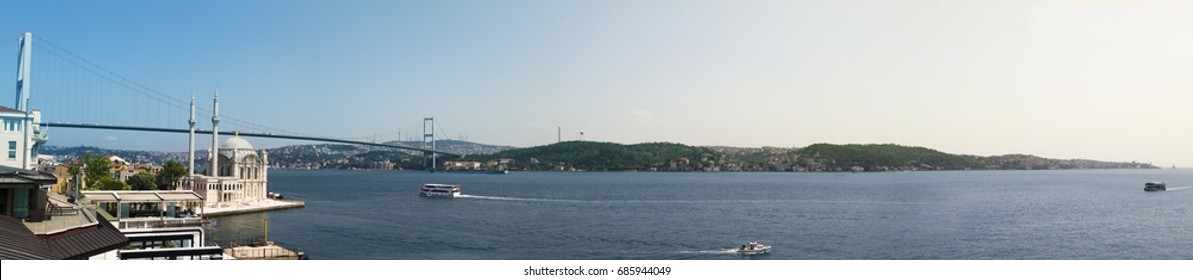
[754,248]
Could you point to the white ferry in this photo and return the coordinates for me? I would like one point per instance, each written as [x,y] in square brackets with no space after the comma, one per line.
[753,249]
[439,190]
[1154,186]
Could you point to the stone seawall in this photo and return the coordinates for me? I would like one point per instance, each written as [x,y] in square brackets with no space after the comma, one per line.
[260,206]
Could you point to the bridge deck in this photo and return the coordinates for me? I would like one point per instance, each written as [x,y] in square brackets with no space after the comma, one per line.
[248,134]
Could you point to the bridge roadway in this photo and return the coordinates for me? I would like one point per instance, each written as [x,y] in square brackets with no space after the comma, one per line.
[249,134]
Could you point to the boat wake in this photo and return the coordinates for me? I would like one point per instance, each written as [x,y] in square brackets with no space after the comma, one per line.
[503,198]
[528,199]
[1180,188]
[711,252]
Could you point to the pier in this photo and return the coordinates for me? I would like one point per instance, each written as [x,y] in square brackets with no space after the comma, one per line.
[231,208]
[260,248]
[266,251]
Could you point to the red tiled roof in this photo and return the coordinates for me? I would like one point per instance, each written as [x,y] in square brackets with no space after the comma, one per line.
[17,242]
[10,110]
[82,243]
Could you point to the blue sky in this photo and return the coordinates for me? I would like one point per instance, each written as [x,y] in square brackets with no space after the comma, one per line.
[1102,80]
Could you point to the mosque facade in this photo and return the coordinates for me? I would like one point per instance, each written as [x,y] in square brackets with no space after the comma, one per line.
[242,176]
[236,175]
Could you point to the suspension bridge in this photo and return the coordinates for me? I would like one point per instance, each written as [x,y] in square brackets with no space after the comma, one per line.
[72,92]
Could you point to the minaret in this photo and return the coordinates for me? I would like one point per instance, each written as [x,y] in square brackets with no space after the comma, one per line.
[264,165]
[215,137]
[192,142]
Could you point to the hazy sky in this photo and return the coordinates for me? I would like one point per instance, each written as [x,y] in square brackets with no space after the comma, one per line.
[1103,80]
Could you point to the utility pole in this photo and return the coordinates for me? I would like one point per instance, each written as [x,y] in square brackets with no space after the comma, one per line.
[192,142]
[80,182]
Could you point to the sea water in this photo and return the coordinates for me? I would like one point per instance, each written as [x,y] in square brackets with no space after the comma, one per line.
[1079,214]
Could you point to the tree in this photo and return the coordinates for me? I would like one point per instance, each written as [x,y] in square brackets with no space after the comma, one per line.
[97,169]
[171,172]
[143,181]
[109,184]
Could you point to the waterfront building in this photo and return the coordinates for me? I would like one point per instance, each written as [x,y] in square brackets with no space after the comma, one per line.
[62,171]
[20,138]
[117,161]
[155,224]
[21,191]
[462,165]
[239,180]
[46,161]
[168,243]
[383,165]
[146,209]
[37,224]
[122,174]
[241,177]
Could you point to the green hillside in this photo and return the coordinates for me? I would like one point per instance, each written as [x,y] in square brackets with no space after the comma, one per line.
[602,156]
[873,156]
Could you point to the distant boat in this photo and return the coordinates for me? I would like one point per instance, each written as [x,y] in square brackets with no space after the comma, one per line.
[1154,186]
[439,190]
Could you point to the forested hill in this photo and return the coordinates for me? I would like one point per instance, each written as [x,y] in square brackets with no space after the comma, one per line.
[887,157]
[874,156]
[602,156]
[599,156]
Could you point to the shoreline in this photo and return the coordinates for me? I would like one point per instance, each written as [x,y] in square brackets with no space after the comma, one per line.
[723,171]
[270,205]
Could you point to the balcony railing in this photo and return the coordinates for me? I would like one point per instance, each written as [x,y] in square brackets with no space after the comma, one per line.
[157,222]
[60,219]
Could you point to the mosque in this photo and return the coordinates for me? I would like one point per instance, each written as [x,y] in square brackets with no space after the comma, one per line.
[241,178]
[242,171]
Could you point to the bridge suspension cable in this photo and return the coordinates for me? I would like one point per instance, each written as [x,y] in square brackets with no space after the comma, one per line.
[72,91]
[161,100]
[11,40]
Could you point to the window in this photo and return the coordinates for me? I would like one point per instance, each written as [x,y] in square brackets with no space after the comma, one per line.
[12,149]
[20,203]
[12,125]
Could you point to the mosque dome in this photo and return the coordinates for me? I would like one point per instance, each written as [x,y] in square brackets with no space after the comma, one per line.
[236,143]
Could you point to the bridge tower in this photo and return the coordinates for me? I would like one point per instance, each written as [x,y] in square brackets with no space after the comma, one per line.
[429,139]
[32,137]
[23,72]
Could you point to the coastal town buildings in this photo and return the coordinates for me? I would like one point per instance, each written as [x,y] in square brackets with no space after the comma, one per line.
[20,137]
[40,225]
[62,171]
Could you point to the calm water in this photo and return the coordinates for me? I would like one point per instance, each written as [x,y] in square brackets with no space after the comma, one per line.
[1102,214]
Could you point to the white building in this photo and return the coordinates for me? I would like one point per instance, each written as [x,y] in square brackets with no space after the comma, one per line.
[20,138]
[241,178]
[117,160]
